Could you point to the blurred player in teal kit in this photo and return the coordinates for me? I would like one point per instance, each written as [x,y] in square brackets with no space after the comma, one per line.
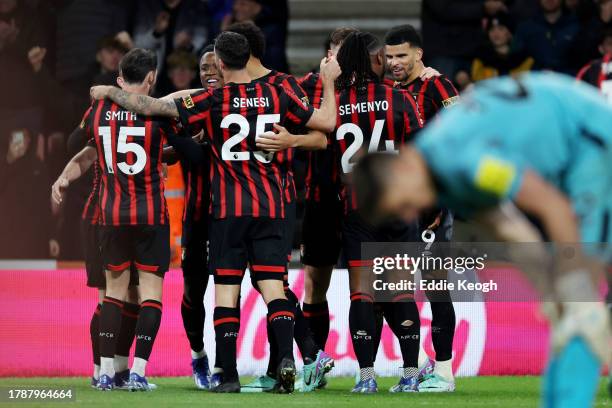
[541,144]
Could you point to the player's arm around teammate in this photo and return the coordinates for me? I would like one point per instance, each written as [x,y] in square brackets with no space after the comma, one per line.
[323,119]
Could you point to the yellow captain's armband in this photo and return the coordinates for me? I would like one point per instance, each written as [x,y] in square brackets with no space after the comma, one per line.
[495,176]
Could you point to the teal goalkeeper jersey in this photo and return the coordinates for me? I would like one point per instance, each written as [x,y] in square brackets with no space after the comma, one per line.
[478,151]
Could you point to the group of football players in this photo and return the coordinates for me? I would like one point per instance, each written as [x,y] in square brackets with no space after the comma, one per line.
[236,139]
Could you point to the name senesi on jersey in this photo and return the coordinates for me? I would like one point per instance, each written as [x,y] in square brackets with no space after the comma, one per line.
[363,107]
[250,102]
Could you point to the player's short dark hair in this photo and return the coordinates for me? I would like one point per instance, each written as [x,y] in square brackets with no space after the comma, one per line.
[208,48]
[253,34]
[233,49]
[354,60]
[136,64]
[369,178]
[338,36]
[404,34]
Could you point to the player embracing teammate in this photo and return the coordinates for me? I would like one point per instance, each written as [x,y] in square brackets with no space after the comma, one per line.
[248,211]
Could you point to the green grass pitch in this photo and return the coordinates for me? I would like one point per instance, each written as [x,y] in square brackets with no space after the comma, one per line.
[471,392]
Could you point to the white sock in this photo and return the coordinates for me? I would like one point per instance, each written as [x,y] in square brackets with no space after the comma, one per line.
[120,363]
[445,369]
[217,370]
[422,356]
[107,367]
[198,354]
[138,366]
[96,373]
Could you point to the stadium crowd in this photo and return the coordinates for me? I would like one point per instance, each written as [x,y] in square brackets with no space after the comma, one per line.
[51,52]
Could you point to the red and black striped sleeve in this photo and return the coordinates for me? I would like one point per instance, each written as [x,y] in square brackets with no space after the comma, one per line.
[590,73]
[313,87]
[410,117]
[193,108]
[297,112]
[442,93]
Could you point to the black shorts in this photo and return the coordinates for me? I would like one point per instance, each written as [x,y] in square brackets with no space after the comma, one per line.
[356,231]
[94,265]
[146,247]
[321,233]
[256,241]
[194,257]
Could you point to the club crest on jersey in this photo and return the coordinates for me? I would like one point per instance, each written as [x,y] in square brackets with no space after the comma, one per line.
[450,101]
[188,102]
[305,100]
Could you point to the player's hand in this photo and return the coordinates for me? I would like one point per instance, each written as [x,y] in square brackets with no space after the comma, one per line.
[428,73]
[329,68]
[58,189]
[99,91]
[275,142]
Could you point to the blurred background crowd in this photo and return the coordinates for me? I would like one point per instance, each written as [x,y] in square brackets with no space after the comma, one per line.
[52,51]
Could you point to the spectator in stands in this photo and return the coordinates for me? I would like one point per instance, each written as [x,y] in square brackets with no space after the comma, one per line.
[498,57]
[110,52]
[168,25]
[80,26]
[272,17]
[24,197]
[452,31]
[549,36]
[586,45]
[182,70]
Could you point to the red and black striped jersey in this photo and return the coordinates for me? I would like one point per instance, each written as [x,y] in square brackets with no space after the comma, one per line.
[129,150]
[290,85]
[197,184]
[321,171]
[599,74]
[431,95]
[91,210]
[373,118]
[244,180]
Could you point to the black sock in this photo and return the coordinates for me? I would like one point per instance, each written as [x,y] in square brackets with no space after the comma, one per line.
[362,327]
[147,327]
[192,310]
[110,323]
[317,317]
[403,318]
[282,321]
[379,314]
[129,317]
[302,333]
[94,333]
[442,324]
[227,326]
[273,359]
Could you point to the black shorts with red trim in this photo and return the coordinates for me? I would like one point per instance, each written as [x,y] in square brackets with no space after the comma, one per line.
[258,242]
[356,231]
[94,265]
[194,257]
[321,232]
[146,247]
